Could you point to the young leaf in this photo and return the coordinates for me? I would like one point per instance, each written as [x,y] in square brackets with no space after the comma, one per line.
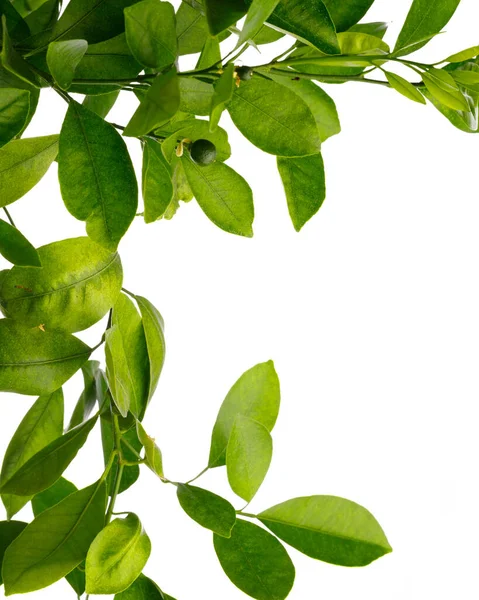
[101,104]
[151,33]
[258,13]
[117,556]
[118,370]
[441,88]
[9,531]
[223,93]
[220,14]
[304,184]
[207,509]
[463,55]
[16,248]
[63,58]
[274,118]
[153,457]
[78,284]
[52,495]
[155,340]
[255,562]
[256,395]
[86,401]
[248,456]
[425,19]
[23,163]
[95,171]
[405,88]
[157,185]
[46,466]
[55,542]
[223,195]
[158,106]
[143,588]
[42,424]
[465,121]
[328,528]
[195,96]
[36,362]
[14,111]
[346,13]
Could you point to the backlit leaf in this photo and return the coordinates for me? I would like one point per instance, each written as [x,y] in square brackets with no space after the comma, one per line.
[207,509]
[14,110]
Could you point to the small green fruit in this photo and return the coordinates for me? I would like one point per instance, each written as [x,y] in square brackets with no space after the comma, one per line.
[244,73]
[203,152]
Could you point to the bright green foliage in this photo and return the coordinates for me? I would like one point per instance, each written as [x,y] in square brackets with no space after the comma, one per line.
[16,248]
[256,562]
[14,110]
[63,58]
[52,495]
[223,93]
[405,88]
[153,456]
[207,509]
[328,528]
[117,556]
[258,13]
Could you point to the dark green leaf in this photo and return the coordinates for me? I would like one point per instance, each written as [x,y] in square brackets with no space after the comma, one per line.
[101,104]
[55,542]
[255,562]
[223,195]
[425,19]
[13,61]
[44,17]
[346,13]
[52,495]
[77,580]
[248,456]
[158,106]
[9,530]
[151,33]
[207,509]
[117,556]
[63,59]
[157,186]
[220,14]
[328,528]
[195,96]
[78,284]
[14,111]
[95,169]
[42,424]
[405,88]
[142,588]
[274,118]
[36,362]
[153,457]
[304,184]
[256,395]
[46,466]
[9,80]
[258,13]
[16,25]
[86,401]
[223,93]
[23,163]
[16,248]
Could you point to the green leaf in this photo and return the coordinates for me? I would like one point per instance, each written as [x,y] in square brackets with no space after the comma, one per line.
[328,528]
[207,509]
[36,362]
[220,14]
[16,248]
[95,170]
[55,542]
[130,472]
[14,62]
[258,13]
[77,580]
[255,562]
[42,424]
[425,19]
[101,104]
[157,186]
[63,58]
[9,80]
[9,531]
[463,55]
[86,401]
[405,88]
[43,18]
[191,29]
[195,96]
[267,35]
[196,129]
[346,13]
[158,106]
[155,340]
[151,33]
[91,20]
[361,43]
[319,102]
[274,118]
[377,28]
[256,395]
[304,184]
[117,556]
[46,466]
[223,195]
[16,25]
[223,93]
[248,456]
[444,88]
[78,284]
[464,120]
[142,588]
[117,370]
[52,495]
[210,53]
[14,111]
[23,163]
[466,78]
[153,457]
[308,21]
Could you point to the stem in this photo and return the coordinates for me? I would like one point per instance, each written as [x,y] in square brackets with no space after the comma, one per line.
[198,476]
[9,217]
[128,292]
[102,341]
[245,514]
[130,447]
[119,473]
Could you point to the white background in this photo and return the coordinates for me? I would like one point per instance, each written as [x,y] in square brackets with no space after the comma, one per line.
[370,314]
